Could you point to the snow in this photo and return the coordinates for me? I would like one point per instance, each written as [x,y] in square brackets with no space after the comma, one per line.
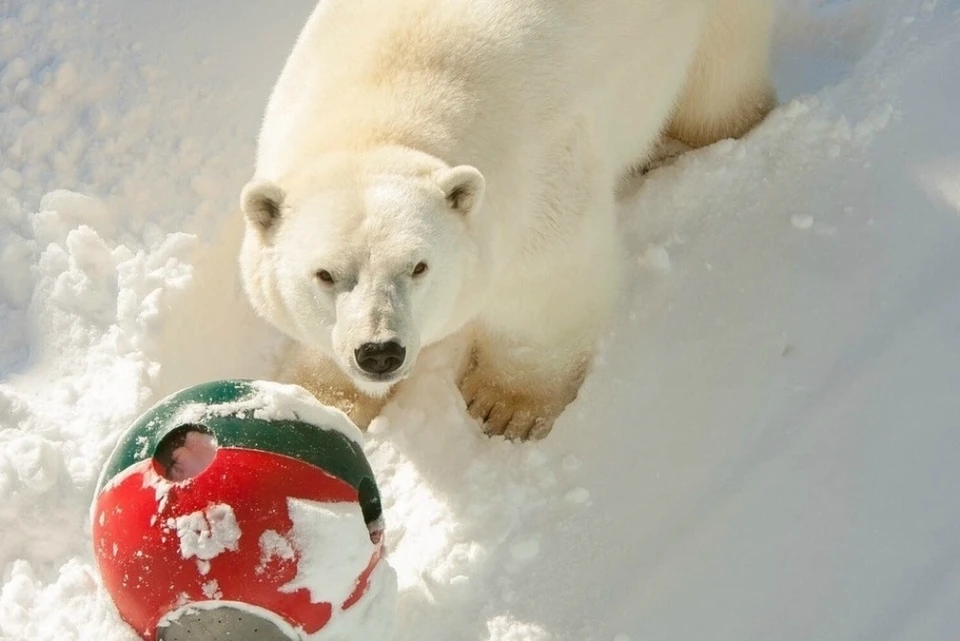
[274,545]
[211,590]
[206,533]
[334,547]
[765,449]
[272,401]
[372,617]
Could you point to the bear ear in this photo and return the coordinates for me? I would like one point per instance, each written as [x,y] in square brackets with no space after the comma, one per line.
[261,201]
[463,187]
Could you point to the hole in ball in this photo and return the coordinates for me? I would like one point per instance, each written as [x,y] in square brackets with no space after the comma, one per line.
[371,508]
[185,452]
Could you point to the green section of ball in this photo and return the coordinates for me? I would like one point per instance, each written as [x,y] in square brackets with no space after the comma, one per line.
[224,408]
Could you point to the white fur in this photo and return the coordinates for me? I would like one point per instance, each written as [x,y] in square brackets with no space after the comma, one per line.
[524,114]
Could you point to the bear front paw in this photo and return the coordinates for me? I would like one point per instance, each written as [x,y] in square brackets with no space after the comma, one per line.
[514,413]
[321,377]
[361,409]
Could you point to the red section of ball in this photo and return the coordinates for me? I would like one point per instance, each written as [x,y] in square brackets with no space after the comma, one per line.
[139,553]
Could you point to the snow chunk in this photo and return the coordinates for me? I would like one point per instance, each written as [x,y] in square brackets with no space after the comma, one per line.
[211,589]
[578,495]
[657,257]
[506,628]
[272,545]
[802,221]
[208,533]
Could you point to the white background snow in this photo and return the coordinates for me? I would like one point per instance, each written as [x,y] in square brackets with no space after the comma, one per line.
[769,447]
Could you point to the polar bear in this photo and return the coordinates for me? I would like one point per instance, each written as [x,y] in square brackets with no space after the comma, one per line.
[431,168]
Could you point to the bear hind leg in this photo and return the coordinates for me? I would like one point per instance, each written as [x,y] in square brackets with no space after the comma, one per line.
[728,90]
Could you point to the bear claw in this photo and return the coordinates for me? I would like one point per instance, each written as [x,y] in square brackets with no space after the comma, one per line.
[514,415]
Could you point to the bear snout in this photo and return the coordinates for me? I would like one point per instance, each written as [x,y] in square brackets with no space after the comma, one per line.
[380,358]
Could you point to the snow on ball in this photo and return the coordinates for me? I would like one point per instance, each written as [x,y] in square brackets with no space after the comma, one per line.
[238,508]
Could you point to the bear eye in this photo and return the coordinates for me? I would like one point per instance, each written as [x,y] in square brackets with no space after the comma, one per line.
[325,276]
[420,268]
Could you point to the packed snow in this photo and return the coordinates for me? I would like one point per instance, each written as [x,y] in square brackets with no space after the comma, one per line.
[767,447]
[273,401]
[206,533]
[335,549]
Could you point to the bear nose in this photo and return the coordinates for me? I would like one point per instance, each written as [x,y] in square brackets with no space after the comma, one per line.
[380,358]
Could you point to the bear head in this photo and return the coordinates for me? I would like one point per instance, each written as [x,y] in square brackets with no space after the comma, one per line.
[366,257]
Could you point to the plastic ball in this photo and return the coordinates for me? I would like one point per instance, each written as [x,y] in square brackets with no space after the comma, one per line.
[237,509]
